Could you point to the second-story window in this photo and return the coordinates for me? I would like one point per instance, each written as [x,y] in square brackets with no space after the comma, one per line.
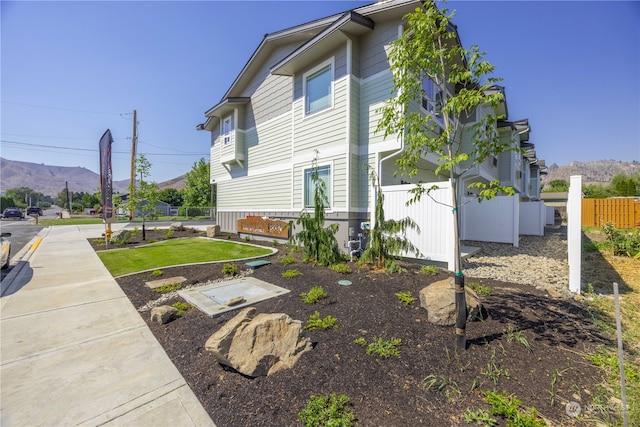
[227,128]
[432,101]
[318,90]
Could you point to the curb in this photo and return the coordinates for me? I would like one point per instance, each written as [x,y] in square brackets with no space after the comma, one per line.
[21,259]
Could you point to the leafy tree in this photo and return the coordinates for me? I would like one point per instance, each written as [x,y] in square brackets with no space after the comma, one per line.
[90,201]
[595,191]
[23,196]
[319,242]
[557,185]
[198,186]
[623,185]
[6,202]
[387,238]
[172,196]
[428,50]
[143,194]
[62,199]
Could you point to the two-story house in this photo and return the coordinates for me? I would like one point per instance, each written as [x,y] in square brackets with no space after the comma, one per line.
[309,95]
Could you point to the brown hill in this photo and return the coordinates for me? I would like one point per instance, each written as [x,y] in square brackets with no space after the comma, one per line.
[593,172]
[50,180]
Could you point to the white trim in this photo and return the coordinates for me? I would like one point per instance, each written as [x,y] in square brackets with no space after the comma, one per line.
[329,62]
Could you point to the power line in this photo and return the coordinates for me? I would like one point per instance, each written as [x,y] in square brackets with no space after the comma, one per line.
[60,108]
[92,150]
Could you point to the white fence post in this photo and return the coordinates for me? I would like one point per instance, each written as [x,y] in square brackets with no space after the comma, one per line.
[574,232]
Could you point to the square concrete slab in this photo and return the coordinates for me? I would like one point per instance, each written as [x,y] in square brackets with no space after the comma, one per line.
[219,298]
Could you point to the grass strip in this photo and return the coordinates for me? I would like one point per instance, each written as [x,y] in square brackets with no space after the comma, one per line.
[176,252]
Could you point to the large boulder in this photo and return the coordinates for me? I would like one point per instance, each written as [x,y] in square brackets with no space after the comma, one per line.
[163,314]
[439,300]
[259,345]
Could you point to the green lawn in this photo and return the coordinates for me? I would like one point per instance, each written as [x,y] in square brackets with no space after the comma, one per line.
[175,252]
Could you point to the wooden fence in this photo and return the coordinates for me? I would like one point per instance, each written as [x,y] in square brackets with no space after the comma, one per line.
[622,212]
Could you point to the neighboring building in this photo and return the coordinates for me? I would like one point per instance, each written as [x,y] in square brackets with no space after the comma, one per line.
[162,208]
[314,91]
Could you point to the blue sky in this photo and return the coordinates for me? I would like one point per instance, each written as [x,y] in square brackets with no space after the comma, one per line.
[70,70]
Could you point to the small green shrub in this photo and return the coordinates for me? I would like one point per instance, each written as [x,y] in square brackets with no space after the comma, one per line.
[290,274]
[157,273]
[229,269]
[228,236]
[480,289]
[381,347]
[315,322]
[99,242]
[169,287]
[181,307]
[314,295]
[168,234]
[329,411]
[431,270]
[247,238]
[341,268]
[517,336]
[479,417]
[508,406]
[405,297]
[287,259]
[275,242]
[393,267]
[623,242]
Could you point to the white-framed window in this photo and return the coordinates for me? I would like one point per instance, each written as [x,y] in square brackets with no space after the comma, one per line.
[432,100]
[227,128]
[318,85]
[324,175]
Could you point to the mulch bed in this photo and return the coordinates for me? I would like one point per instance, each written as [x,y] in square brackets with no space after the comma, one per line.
[397,391]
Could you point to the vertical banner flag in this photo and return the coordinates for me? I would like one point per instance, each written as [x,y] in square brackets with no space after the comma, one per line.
[106,177]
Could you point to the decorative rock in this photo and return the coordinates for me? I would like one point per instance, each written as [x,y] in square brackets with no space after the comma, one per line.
[439,301]
[176,226]
[213,230]
[259,345]
[163,314]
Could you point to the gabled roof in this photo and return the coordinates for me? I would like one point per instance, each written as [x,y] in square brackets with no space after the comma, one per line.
[319,36]
[323,43]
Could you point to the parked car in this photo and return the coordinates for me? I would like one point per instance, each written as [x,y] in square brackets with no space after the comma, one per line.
[6,250]
[15,213]
[33,210]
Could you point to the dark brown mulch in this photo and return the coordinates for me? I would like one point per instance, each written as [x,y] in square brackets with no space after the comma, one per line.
[394,391]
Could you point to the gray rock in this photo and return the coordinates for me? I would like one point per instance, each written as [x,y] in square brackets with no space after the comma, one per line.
[259,345]
[213,230]
[176,226]
[163,314]
[439,300]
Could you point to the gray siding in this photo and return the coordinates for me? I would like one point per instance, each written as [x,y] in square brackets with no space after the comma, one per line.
[373,93]
[373,57]
[269,143]
[251,192]
[324,129]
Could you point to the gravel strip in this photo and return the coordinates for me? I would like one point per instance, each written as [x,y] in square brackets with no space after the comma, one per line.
[540,261]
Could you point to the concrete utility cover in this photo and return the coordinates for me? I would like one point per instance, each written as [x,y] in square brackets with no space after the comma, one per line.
[219,298]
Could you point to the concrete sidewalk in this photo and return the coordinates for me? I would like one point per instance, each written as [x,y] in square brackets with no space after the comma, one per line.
[74,350]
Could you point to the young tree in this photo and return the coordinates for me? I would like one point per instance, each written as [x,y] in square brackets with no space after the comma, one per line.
[144,195]
[319,242]
[387,238]
[429,51]
[171,196]
[198,184]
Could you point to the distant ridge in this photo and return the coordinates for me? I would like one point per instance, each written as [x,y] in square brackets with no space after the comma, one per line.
[593,172]
[50,180]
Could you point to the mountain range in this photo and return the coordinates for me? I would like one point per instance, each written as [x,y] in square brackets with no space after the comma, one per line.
[50,180]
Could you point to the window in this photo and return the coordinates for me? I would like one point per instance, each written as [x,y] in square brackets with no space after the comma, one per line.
[227,128]
[324,173]
[432,101]
[318,90]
